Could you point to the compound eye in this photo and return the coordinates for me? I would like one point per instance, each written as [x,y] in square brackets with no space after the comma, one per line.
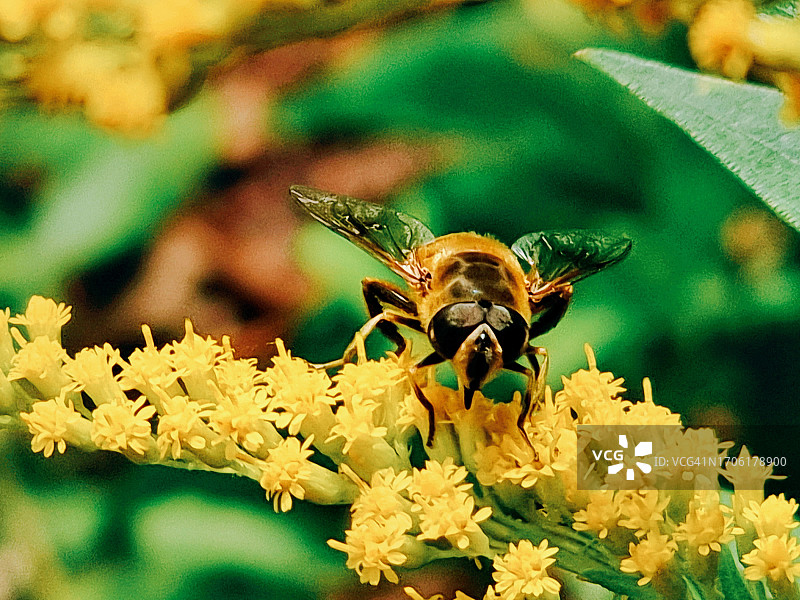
[498,317]
[452,325]
[511,330]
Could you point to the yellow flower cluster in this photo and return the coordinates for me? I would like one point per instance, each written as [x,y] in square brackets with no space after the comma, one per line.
[122,62]
[725,37]
[480,490]
[211,410]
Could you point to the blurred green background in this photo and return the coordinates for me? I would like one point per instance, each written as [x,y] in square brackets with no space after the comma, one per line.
[476,119]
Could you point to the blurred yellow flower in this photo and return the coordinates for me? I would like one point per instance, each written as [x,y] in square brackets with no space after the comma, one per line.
[415,595]
[719,37]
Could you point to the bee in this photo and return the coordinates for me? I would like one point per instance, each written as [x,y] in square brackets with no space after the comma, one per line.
[479,302]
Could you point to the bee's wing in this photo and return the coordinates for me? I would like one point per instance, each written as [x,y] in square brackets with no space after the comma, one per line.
[388,235]
[568,256]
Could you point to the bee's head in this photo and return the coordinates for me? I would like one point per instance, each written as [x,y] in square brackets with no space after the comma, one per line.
[479,338]
[478,360]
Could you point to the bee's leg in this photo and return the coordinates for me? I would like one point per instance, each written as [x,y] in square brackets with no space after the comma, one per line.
[377,295]
[539,385]
[550,310]
[368,327]
[430,360]
[534,390]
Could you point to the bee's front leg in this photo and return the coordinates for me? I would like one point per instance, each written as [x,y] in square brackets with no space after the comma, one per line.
[383,318]
[537,378]
[352,347]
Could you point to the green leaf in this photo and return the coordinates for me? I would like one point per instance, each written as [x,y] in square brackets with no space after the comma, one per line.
[736,122]
[780,9]
[693,591]
[730,578]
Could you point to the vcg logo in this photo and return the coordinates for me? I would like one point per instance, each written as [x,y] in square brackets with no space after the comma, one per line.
[617,457]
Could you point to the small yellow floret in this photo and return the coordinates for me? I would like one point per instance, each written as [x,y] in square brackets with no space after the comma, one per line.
[51,422]
[149,368]
[774,558]
[648,412]
[594,395]
[195,358]
[454,519]
[40,362]
[774,516]
[180,426]
[708,524]
[649,557]
[123,425]
[43,317]
[287,467]
[438,480]
[298,390]
[236,376]
[522,572]
[748,473]
[642,510]
[240,419]
[354,422]
[373,547]
[92,369]
[369,379]
[600,515]
[194,353]
[383,497]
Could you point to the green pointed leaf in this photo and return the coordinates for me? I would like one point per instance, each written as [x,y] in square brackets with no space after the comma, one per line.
[736,122]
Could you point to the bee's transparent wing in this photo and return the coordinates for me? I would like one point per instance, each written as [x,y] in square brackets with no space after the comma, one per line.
[568,256]
[388,235]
